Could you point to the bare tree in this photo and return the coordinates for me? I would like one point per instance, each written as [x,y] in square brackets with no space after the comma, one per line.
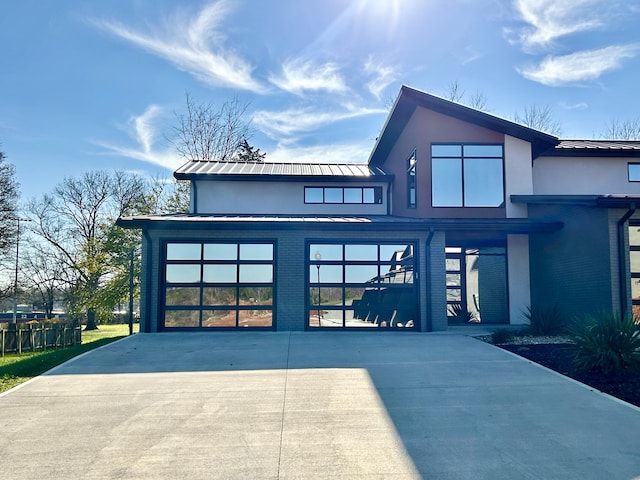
[8,205]
[78,221]
[455,92]
[539,118]
[622,130]
[209,133]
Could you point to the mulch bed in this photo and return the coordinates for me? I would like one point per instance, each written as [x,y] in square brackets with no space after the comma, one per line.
[559,357]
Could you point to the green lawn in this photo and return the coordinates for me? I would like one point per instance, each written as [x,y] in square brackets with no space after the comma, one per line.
[18,368]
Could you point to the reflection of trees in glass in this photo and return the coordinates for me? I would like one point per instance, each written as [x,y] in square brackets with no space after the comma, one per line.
[219,296]
[183,296]
[256,296]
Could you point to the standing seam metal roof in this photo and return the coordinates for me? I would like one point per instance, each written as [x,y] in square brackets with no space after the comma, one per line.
[197,168]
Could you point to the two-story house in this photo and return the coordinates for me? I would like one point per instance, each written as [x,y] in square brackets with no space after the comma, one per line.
[457,217]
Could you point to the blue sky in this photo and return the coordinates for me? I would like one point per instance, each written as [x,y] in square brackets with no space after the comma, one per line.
[94,85]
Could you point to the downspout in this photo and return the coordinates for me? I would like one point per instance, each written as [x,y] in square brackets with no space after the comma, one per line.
[194,189]
[622,260]
[147,296]
[427,280]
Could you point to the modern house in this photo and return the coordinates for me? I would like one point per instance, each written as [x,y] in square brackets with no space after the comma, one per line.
[458,216]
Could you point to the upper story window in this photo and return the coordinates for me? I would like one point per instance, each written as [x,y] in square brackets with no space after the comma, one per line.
[634,172]
[467,175]
[352,195]
[411,180]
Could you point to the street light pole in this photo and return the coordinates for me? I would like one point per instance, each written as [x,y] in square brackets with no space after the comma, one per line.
[15,282]
[318,257]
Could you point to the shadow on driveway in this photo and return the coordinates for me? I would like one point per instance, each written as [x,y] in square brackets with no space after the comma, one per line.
[313,405]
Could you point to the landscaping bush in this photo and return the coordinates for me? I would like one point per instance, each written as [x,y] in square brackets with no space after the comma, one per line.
[546,321]
[606,342]
[459,314]
[501,335]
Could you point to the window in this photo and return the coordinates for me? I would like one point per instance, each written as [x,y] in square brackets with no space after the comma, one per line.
[411,180]
[365,285]
[634,172]
[343,195]
[634,264]
[467,175]
[218,285]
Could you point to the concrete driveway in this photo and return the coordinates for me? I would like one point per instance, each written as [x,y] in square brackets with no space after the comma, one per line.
[341,405]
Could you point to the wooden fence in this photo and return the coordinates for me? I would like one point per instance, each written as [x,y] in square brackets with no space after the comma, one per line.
[18,339]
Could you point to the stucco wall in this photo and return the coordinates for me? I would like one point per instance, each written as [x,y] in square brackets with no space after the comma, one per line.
[582,176]
[271,198]
[424,128]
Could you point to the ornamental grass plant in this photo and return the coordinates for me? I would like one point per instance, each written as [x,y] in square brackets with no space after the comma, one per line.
[606,342]
[545,320]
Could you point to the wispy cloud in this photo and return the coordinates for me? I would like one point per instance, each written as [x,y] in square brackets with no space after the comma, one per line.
[194,44]
[580,66]
[298,120]
[300,76]
[142,131]
[549,20]
[574,106]
[331,153]
[383,76]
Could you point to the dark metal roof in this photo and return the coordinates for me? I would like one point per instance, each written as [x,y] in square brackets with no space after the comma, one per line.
[279,171]
[603,201]
[373,222]
[409,98]
[596,148]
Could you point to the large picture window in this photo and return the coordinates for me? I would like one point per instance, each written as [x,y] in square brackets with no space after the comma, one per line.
[367,285]
[467,175]
[634,265]
[218,285]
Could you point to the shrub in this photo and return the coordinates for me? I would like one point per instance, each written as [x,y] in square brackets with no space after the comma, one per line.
[460,314]
[501,335]
[606,342]
[545,320]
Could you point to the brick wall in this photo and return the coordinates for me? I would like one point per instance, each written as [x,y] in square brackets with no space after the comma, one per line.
[290,269]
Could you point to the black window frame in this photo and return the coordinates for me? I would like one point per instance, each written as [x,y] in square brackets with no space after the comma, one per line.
[377,195]
[201,284]
[412,189]
[462,158]
[629,164]
[380,285]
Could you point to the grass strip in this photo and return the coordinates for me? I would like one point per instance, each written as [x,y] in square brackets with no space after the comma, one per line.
[18,368]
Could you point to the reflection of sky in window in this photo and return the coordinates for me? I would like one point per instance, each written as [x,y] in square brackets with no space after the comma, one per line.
[183,251]
[352,195]
[483,182]
[313,195]
[183,273]
[220,251]
[635,262]
[388,251]
[360,273]
[368,195]
[333,195]
[361,252]
[219,274]
[483,151]
[446,181]
[327,252]
[446,150]
[256,251]
[256,273]
[634,236]
[328,274]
